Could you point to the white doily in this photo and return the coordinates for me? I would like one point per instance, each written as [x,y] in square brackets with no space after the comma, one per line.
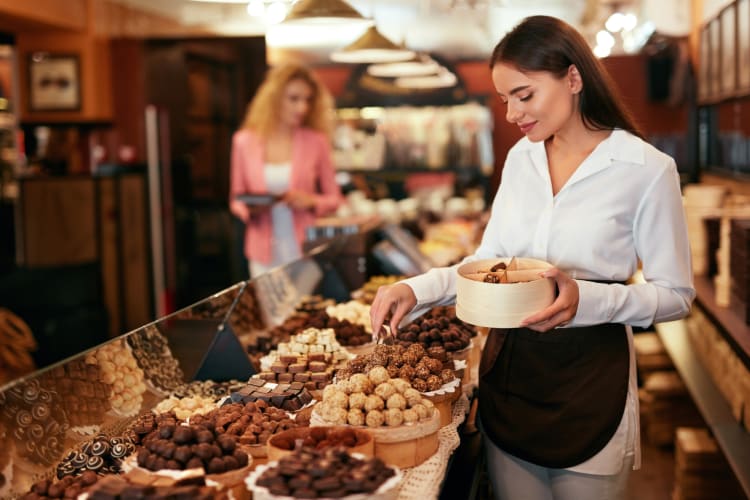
[424,481]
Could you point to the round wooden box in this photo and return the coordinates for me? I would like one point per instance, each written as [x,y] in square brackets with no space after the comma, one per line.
[502,305]
[403,446]
[443,401]
[365,444]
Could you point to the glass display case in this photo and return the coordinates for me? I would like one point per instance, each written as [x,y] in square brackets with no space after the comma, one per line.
[48,419]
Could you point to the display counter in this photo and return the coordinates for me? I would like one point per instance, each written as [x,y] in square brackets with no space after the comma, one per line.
[49,419]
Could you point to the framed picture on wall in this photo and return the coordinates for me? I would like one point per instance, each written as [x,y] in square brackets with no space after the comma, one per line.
[54,82]
[704,65]
[714,35]
[728,21]
[743,46]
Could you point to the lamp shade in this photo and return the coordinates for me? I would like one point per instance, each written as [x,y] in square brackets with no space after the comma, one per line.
[323,12]
[443,79]
[421,67]
[372,47]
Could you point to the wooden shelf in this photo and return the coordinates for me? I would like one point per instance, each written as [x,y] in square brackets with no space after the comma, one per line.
[730,320]
[733,440]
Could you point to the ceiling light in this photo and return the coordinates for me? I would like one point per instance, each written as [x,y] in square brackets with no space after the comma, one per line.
[276,12]
[614,22]
[601,52]
[372,47]
[323,12]
[256,8]
[629,21]
[444,79]
[605,39]
[423,67]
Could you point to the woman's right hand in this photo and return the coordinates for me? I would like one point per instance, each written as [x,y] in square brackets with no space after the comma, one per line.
[394,302]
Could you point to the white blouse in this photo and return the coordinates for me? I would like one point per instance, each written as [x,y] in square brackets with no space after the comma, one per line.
[285,247]
[621,206]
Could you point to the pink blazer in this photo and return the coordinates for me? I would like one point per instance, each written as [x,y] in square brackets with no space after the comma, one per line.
[312,171]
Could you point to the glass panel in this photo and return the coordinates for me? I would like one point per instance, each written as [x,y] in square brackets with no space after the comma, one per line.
[48,415]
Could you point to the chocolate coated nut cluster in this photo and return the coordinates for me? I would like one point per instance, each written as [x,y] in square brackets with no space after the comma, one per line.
[37,420]
[102,455]
[250,424]
[290,397]
[331,473]
[151,351]
[148,422]
[321,438]
[116,487]
[439,327]
[181,447]
[85,397]
[425,370]
[67,487]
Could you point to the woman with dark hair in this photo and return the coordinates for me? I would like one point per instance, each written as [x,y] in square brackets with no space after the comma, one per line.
[558,398]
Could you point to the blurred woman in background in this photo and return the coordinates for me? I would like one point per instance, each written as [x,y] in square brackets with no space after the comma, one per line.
[283,150]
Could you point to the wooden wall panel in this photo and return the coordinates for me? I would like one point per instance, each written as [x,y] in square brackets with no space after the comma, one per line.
[135,260]
[70,14]
[108,248]
[58,221]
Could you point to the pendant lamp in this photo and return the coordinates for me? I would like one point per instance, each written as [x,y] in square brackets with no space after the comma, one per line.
[372,47]
[421,66]
[323,12]
[444,78]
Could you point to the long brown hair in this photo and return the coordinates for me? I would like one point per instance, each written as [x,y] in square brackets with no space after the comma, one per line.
[544,43]
[263,111]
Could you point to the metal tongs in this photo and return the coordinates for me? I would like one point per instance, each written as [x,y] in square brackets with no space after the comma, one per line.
[384,336]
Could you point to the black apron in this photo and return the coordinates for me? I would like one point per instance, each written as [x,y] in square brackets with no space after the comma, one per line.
[554,399]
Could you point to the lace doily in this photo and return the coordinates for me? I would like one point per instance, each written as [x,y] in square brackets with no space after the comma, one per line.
[424,481]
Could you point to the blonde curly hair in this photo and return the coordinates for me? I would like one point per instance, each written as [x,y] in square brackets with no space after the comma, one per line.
[263,111]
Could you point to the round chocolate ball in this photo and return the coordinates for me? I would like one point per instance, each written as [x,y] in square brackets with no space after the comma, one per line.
[216,466]
[183,435]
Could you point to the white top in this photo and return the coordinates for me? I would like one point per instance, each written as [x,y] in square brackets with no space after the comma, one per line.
[285,247]
[623,204]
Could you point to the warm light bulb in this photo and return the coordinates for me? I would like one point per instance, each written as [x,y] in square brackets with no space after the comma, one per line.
[605,39]
[276,12]
[600,51]
[615,22]
[629,21]
[255,8]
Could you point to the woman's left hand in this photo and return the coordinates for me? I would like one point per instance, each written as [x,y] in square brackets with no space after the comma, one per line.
[562,310]
[298,199]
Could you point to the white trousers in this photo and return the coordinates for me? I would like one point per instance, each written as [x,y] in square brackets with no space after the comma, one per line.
[516,479]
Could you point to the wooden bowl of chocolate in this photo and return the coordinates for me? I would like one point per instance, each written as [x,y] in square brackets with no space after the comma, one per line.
[499,293]
[329,473]
[320,438]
